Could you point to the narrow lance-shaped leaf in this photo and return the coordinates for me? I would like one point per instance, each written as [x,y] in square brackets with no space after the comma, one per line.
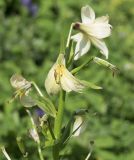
[90,85]
[46,105]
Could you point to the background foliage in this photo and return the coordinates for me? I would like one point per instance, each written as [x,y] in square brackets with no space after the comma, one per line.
[29,44]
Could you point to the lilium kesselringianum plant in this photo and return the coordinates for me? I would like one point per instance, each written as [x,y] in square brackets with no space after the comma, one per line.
[60,78]
[91,31]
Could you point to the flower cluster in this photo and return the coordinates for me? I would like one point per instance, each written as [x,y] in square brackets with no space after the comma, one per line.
[91,31]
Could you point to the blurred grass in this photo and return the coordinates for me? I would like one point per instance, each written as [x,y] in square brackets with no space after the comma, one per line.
[29,45]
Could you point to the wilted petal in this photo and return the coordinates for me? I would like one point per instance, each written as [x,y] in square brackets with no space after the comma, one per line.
[27,101]
[50,84]
[77,125]
[70,83]
[82,47]
[101,45]
[19,82]
[87,14]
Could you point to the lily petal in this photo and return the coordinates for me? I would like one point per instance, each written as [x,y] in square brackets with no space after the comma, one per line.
[19,82]
[102,19]
[82,47]
[77,125]
[70,83]
[97,30]
[50,84]
[87,14]
[77,37]
[101,45]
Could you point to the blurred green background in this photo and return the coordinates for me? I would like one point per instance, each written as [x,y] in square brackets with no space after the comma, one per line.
[30,34]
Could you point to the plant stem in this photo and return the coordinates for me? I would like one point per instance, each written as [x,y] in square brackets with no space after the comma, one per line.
[88,156]
[90,152]
[5,153]
[75,70]
[59,117]
[37,89]
[58,124]
[40,152]
[38,139]
[69,35]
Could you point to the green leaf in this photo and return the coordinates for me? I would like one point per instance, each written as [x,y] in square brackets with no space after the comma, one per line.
[90,85]
[46,105]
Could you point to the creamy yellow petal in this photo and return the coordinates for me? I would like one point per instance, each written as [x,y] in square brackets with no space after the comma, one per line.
[97,30]
[102,19]
[87,14]
[101,45]
[82,47]
[77,125]
[70,83]
[77,37]
[50,84]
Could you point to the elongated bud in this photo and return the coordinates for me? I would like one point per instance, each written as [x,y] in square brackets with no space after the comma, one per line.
[106,64]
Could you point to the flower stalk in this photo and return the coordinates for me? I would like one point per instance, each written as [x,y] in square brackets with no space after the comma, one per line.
[59,117]
[5,153]
[58,124]
[38,140]
[37,89]
[69,35]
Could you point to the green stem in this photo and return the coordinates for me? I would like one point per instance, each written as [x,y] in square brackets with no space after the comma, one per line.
[38,141]
[59,117]
[37,89]
[50,130]
[5,153]
[89,154]
[69,35]
[58,124]
[40,152]
[75,70]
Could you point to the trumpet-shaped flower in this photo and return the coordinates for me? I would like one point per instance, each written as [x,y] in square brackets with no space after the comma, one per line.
[60,78]
[91,31]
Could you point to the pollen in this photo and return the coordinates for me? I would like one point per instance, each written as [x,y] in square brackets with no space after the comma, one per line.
[58,73]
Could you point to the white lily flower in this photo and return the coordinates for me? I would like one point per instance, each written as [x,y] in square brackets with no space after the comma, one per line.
[60,78]
[91,31]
